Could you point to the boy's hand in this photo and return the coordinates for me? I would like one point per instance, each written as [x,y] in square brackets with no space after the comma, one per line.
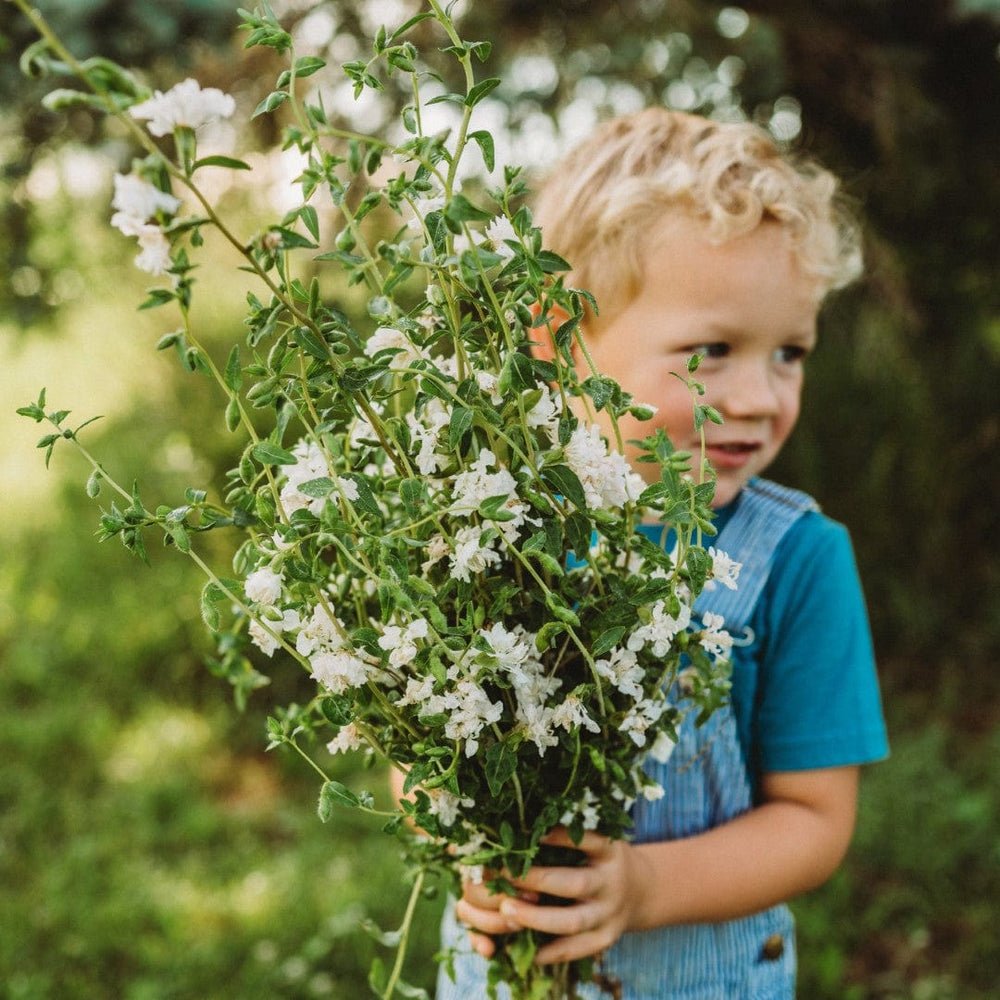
[602,892]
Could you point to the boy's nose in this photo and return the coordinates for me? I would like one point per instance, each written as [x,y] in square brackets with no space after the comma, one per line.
[751,391]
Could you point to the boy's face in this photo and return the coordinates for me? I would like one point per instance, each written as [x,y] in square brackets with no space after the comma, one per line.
[746,306]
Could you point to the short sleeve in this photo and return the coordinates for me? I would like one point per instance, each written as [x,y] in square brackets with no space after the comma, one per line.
[817,700]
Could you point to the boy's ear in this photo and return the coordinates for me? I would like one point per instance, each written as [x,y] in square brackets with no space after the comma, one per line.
[543,346]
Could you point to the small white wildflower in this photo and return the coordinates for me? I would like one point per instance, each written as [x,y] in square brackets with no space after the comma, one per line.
[136,200]
[537,721]
[586,808]
[185,104]
[470,556]
[347,739]
[606,477]
[398,641]
[437,549]
[652,791]
[487,383]
[338,671]
[622,669]
[509,646]
[714,638]
[498,232]
[639,718]
[263,586]
[663,746]
[348,487]
[154,250]
[725,570]
[445,805]
[389,338]
[321,631]
[545,414]
[418,691]
[572,714]
[469,710]
[662,629]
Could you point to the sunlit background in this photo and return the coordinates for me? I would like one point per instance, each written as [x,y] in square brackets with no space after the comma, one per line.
[149,847]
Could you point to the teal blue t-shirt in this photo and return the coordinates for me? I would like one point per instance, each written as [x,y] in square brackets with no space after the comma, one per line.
[804,689]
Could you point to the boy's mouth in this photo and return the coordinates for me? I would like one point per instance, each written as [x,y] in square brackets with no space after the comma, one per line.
[732,454]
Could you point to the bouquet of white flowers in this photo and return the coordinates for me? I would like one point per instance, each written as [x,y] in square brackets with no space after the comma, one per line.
[432,526]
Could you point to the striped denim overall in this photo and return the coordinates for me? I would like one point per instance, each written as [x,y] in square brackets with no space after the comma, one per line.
[707,783]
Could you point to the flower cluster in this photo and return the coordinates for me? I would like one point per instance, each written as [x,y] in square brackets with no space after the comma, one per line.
[434,530]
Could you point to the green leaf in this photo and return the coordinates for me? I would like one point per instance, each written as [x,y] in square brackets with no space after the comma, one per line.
[388,938]
[517,374]
[485,142]
[307,65]
[233,375]
[273,100]
[307,339]
[480,90]
[501,763]
[333,794]
[607,640]
[220,161]
[461,421]
[565,481]
[271,454]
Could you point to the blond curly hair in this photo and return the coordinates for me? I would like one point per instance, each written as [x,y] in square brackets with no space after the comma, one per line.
[603,201]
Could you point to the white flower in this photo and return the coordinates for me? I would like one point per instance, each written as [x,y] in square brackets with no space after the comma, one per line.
[538,721]
[470,556]
[487,383]
[348,738]
[154,250]
[263,639]
[137,201]
[714,638]
[418,691]
[545,414]
[445,805]
[571,714]
[509,646]
[263,586]
[322,630]
[398,641]
[498,232]
[437,549]
[586,808]
[724,569]
[340,670]
[469,709]
[624,672]
[607,478]
[186,104]
[388,338]
[310,463]
[662,748]
[652,791]
[425,430]
[662,629]
[348,487]
[639,718]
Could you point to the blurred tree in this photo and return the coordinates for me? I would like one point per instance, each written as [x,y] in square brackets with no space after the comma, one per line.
[899,435]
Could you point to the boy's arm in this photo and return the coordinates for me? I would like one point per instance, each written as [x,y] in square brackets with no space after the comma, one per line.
[789,844]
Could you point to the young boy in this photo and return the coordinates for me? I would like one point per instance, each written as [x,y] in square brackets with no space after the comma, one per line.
[698,237]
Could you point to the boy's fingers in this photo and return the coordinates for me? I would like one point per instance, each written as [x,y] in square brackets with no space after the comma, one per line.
[559,920]
[487,921]
[482,943]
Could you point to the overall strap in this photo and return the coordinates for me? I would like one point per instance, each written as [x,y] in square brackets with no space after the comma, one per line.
[765,513]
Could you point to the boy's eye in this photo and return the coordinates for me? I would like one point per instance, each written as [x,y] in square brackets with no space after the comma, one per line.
[791,353]
[713,351]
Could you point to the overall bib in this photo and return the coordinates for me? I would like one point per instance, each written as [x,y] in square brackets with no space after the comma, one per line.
[707,783]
